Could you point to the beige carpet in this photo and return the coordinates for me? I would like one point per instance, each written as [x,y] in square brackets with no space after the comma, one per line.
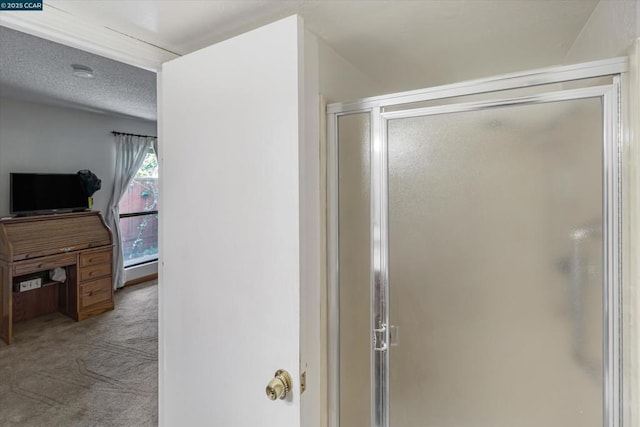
[99,372]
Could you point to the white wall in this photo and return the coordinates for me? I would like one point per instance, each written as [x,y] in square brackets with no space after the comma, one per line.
[609,32]
[47,139]
[339,80]
[310,345]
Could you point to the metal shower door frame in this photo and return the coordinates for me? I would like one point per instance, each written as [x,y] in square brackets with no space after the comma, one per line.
[613,105]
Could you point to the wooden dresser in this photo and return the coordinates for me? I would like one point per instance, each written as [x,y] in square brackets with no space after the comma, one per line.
[30,247]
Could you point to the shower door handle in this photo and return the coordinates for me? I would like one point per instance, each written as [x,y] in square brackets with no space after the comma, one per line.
[380,338]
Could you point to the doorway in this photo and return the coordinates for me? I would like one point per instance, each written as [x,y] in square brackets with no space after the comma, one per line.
[475,253]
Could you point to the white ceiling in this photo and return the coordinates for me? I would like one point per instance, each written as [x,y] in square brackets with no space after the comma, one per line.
[37,70]
[402,45]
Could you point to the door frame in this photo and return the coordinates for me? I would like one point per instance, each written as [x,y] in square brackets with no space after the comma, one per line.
[616,188]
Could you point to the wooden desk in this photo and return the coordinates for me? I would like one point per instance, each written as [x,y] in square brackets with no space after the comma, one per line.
[81,243]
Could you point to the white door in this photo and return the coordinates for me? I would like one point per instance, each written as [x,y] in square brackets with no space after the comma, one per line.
[230,126]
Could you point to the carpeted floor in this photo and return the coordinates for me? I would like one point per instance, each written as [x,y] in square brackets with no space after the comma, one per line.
[99,372]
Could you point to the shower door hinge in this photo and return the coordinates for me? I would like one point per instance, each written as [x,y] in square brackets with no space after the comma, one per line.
[380,338]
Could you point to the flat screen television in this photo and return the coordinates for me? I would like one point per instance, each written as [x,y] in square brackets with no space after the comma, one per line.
[36,193]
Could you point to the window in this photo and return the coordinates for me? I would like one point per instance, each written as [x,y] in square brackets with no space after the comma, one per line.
[139,215]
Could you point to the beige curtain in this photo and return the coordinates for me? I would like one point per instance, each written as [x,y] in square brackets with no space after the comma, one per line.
[131,151]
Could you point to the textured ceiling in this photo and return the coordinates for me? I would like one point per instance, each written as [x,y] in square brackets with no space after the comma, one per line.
[37,70]
[400,44]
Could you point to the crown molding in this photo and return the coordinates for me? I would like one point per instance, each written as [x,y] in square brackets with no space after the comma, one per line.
[66,28]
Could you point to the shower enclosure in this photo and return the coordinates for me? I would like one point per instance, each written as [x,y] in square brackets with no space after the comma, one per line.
[474,253]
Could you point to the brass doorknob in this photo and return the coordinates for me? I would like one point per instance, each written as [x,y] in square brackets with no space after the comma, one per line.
[280,385]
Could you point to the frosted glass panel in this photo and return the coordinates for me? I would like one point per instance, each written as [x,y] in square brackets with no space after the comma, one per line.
[496,267]
[355,265]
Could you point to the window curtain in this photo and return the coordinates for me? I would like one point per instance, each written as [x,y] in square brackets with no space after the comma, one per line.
[130,153]
[154,144]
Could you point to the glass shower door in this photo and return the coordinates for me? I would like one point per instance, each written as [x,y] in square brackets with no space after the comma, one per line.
[496,266]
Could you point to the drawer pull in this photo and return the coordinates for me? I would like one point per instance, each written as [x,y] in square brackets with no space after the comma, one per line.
[87,260]
[45,266]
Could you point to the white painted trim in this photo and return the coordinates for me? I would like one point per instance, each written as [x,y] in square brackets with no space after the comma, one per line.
[57,25]
[161,286]
[333,278]
[324,254]
[310,205]
[139,271]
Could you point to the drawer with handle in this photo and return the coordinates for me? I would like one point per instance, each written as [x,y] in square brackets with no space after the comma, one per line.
[46,263]
[95,257]
[95,291]
[95,271]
